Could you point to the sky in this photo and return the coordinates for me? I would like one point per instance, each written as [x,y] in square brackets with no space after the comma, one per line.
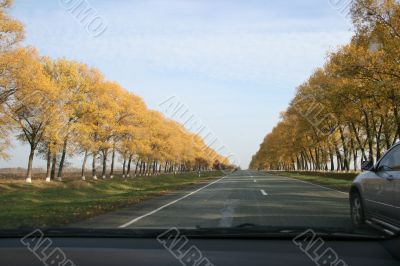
[233,64]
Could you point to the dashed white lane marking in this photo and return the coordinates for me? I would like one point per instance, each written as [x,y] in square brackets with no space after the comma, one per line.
[166,205]
[263,192]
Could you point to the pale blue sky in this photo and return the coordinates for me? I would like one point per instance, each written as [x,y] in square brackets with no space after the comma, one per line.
[235,64]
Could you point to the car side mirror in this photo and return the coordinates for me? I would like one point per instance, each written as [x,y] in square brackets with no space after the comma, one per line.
[367,165]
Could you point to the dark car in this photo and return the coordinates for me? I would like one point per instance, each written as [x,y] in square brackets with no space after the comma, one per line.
[375,193]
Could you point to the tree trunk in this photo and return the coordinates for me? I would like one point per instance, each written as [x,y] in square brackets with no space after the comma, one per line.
[141,168]
[94,174]
[148,167]
[345,150]
[103,173]
[369,137]
[338,158]
[84,165]
[123,168]
[137,166]
[165,166]
[317,161]
[30,163]
[112,163]
[378,139]
[312,159]
[48,166]
[356,135]
[61,166]
[128,171]
[331,160]
[397,118]
[53,167]
[154,167]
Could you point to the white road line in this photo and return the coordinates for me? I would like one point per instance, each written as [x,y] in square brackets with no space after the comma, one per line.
[384,204]
[166,205]
[263,192]
[316,185]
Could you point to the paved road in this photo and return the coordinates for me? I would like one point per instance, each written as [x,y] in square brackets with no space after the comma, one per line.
[239,198]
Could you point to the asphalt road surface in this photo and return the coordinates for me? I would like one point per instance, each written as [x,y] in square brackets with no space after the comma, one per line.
[243,197]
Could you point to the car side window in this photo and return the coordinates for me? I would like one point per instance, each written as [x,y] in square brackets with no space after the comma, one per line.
[391,161]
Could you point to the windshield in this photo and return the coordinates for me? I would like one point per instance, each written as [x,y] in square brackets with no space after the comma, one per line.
[265,116]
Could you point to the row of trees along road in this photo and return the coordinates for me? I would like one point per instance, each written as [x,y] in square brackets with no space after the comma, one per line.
[63,108]
[355,97]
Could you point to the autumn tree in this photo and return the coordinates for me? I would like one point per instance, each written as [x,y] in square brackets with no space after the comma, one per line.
[356,93]
[64,108]
[32,107]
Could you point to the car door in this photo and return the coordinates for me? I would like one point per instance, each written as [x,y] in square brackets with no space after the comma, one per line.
[397,200]
[385,195]
[396,181]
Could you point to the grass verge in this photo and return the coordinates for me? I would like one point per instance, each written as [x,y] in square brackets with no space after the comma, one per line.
[55,204]
[338,181]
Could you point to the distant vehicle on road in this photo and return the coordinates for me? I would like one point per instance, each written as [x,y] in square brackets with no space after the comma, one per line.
[375,193]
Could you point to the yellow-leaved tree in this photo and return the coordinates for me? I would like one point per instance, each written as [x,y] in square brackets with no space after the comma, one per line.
[33,106]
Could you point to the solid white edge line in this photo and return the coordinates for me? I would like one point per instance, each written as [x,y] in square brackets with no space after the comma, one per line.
[263,192]
[168,204]
[346,193]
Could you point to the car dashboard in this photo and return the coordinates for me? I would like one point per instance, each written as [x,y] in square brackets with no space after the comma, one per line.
[234,251]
